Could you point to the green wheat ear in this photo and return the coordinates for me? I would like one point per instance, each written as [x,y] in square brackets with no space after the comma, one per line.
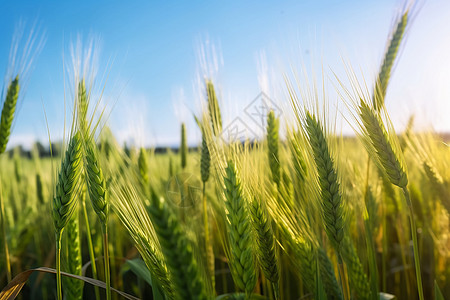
[331,286]
[388,62]
[178,252]
[9,107]
[143,166]
[382,145]
[213,108]
[437,183]
[65,200]
[357,277]
[272,143]
[332,203]
[82,103]
[183,146]
[205,160]
[96,183]
[242,261]
[39,189]
[73,288]
[266,242]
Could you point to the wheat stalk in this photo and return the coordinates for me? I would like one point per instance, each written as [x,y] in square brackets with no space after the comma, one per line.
[205,164]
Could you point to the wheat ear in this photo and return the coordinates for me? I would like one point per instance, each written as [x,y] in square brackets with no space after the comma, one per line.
[389,159]
[6,120]
[382,145]
[272,145]
[178,252]
[82,107]
[143,167]
[266,249]
[357,276]
[98,194]
[328,277]
[65,200]
[239,227]
[331,199]
[437,184]
[205,160]
[183,146]
[205,164]
[9,107]
[213,108]
[388,62]
[73,288]
[304,256]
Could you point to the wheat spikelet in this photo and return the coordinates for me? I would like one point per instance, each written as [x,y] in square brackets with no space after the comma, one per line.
[332,204]
[214,109]
[266,250]
[328,277]
[9,107]
[272,145]
[65,200]
[183,146]
[382,146]
[73,288]
[178,252]
[242,259]
[388,61]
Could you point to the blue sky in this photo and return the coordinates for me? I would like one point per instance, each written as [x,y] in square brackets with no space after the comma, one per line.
[150,51]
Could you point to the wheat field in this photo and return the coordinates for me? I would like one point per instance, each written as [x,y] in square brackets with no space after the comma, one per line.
[302,213]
